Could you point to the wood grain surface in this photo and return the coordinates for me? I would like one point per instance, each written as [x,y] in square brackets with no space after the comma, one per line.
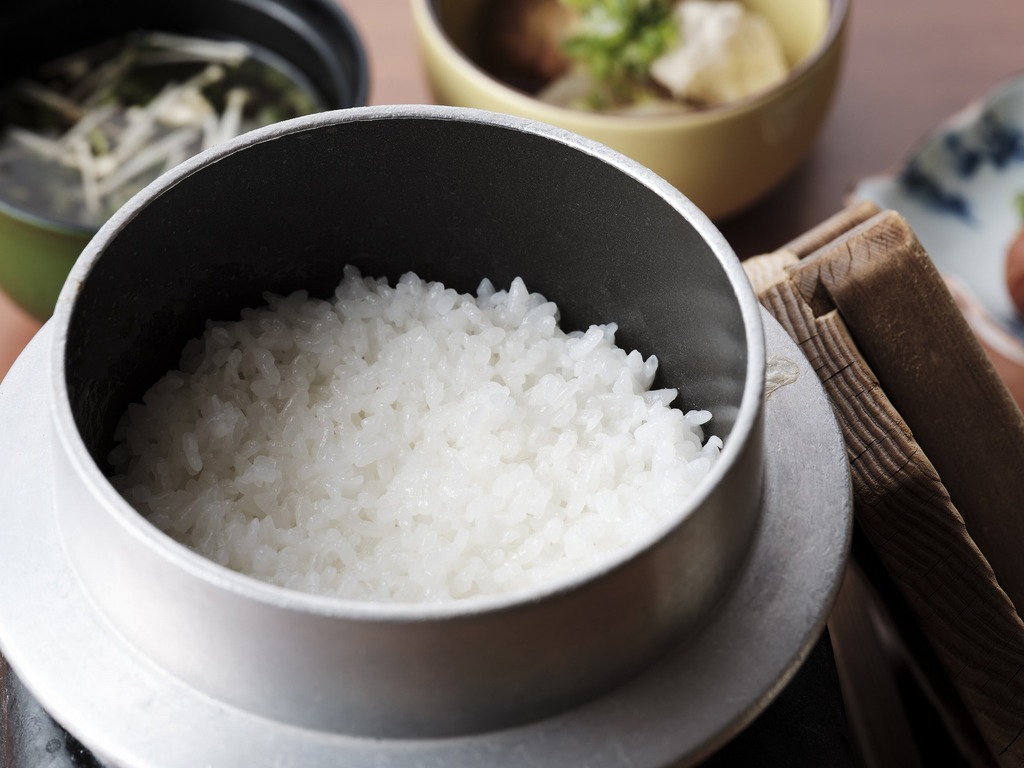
[904,373]
[935,373]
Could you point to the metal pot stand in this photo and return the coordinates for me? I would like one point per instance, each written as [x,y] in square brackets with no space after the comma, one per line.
[132,713]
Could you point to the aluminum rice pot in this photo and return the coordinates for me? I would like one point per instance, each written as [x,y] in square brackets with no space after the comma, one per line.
[454,195]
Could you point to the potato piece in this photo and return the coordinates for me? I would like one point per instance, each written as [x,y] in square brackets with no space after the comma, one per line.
[725,52]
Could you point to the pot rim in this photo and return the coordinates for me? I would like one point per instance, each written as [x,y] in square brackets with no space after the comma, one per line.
[745,428]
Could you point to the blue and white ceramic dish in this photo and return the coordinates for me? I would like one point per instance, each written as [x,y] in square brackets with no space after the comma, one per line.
[958,190]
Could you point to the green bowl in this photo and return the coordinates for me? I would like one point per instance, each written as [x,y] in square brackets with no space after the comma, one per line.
[315,36]
[36,257]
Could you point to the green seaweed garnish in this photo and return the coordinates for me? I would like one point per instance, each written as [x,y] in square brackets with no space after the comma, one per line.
[616,41]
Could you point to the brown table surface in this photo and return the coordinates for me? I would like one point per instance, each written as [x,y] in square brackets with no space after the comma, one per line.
[908,65]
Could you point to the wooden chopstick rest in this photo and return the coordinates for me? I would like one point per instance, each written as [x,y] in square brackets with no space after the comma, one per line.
[936,445]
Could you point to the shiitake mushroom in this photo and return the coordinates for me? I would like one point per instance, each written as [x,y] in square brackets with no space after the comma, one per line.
[522,41]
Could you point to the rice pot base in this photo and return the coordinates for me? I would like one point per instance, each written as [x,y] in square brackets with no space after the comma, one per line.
[130,713]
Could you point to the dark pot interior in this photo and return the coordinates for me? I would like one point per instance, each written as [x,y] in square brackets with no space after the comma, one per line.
[453,201]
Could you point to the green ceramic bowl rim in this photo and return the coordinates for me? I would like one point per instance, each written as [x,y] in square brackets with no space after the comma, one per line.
[48,223]
[838,13]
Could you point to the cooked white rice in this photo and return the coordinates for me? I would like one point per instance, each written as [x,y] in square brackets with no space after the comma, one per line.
[409,443]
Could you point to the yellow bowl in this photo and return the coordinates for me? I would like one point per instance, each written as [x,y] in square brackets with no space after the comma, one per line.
[723,158]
